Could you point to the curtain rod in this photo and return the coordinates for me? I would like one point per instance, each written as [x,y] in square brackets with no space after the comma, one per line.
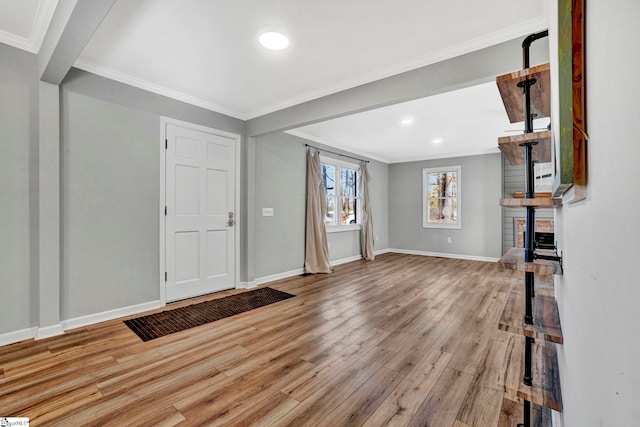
[333,152]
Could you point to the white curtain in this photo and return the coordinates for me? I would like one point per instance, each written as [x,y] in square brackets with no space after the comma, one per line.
[366,234]
[317,250]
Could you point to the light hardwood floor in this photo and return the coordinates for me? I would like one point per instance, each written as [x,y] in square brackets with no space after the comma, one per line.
[402,341]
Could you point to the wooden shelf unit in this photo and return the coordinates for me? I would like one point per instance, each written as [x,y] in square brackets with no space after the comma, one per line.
[512,94]
[511,146]
[536,202]
[546,319]
[526,95]
[514,260]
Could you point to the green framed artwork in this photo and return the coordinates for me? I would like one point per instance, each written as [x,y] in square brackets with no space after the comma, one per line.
[570,157]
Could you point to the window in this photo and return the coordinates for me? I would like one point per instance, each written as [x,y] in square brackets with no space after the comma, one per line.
[343,200]
[441,197]
[543,179]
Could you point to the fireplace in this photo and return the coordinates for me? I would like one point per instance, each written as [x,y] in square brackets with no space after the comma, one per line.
[543,230]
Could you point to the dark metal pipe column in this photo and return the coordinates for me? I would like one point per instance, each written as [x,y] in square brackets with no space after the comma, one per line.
[526,43]
[527,415]
[529,254]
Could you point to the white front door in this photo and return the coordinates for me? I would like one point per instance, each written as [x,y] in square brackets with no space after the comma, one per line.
[200,212]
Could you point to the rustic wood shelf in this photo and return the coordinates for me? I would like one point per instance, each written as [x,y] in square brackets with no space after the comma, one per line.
[545,390]
[537,202]
[520,194]
[546,319]
[514,152]
[512,94]
[514,260]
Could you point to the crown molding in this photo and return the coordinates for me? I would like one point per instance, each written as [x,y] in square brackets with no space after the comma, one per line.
[118,76]
[332,144]
[16,41]
[41,22]
[39,28]
[448,155]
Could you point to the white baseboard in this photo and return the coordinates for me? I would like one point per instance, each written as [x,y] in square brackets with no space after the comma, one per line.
[247,285]
[279,276]
[16,336]
[49,331]
[91,319]
[445,255]
[346,260]
[299,271]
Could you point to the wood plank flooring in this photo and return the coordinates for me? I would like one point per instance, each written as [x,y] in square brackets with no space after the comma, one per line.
[402,341]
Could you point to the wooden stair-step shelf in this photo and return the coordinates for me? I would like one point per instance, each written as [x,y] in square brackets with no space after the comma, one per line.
[520,194]
[546,319]
[512,95]
[511,414]
[536,202]
[514,152]
[514,260]
[545,390]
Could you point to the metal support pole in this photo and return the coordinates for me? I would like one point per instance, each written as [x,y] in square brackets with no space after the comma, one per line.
[527,378]
[527,415]
[531,212]
[529,254]
[529,175]
[527,43]
[528,298]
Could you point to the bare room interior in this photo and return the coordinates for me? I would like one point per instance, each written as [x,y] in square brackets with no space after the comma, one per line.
[369,213]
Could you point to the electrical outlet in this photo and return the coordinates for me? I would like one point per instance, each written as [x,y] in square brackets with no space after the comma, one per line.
[449,239]
[377,237]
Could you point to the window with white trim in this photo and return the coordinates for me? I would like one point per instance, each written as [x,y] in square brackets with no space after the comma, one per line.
[341,180]
[441,197]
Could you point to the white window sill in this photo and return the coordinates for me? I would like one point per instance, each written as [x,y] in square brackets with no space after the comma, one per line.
[341,228]
[449,226]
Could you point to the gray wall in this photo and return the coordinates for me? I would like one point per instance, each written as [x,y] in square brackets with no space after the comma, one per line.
[110,199]
[599,291]
[480,234]
[110,167]
[18,164]
[280,184]
[513,181]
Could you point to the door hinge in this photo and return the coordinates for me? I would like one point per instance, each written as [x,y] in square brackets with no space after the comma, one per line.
[166,144]
[165,211]
[165,276]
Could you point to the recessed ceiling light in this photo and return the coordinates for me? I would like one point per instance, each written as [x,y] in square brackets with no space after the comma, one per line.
[437,140]
[406,121]
[274,41]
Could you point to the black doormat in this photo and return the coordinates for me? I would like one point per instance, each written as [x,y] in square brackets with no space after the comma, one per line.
[169,321]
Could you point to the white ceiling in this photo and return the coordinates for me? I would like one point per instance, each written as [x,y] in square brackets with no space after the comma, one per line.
[206,52]
[466,122]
